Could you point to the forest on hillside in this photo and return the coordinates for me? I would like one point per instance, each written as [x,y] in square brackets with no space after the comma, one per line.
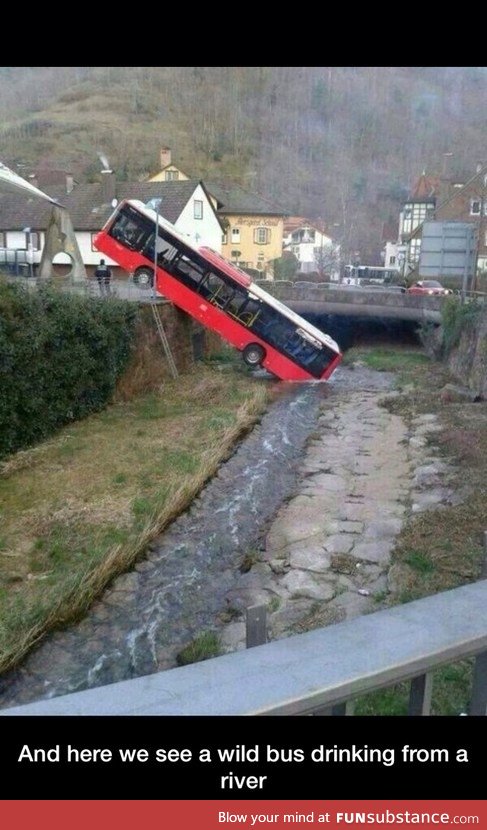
[344,144]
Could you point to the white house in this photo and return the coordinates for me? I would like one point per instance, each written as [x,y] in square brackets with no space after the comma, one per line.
[23,220]
[312,246]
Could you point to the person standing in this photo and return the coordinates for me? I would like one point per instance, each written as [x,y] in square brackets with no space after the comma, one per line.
[104,276]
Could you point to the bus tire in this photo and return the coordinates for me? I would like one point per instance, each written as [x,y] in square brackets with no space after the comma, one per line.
[253,354]
[144,277]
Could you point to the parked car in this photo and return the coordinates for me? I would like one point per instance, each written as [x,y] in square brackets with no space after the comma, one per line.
[429,287]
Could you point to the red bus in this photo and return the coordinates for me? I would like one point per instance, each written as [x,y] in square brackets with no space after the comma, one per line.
[217,294]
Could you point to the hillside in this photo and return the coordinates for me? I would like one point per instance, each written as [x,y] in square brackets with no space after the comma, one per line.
[342,143]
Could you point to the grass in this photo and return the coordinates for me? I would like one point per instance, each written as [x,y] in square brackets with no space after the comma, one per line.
[203,647]
[249,560]
[385,359]
[438,549]
[79,509]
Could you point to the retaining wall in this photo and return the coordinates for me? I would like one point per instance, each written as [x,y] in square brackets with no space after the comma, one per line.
[468,360]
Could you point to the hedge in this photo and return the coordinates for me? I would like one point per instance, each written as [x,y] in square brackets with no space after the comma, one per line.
[60,358]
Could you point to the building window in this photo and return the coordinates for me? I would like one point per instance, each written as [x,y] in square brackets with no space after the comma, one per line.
[3,239]
[198,209]
[171,175]
[392,260]
[474,207]
[224,239]
[32,238]
[262,236]
[414,249]
[415,214]
[235,234]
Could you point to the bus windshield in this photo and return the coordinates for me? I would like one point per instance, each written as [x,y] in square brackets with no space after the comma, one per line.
[217,294]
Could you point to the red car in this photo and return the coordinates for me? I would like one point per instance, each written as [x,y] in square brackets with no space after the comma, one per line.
[429,287]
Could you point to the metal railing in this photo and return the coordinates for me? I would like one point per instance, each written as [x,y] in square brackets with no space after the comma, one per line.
[16,261]
[319,672]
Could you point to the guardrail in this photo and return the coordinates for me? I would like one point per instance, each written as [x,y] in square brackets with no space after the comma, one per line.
[17,261]
[319,672]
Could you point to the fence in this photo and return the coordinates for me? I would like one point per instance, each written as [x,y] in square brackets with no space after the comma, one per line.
[17,262]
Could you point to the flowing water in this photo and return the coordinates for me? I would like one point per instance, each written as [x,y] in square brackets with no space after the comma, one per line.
[181,588]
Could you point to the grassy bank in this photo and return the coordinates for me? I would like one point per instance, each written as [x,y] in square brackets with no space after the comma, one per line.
[441,548]
[79,509]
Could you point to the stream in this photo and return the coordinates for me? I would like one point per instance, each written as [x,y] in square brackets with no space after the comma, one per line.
[183,585]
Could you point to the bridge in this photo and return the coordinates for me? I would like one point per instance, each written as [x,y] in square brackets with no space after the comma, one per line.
[355,301]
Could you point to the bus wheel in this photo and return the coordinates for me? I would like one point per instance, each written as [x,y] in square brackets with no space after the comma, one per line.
[143,277]
[253,354]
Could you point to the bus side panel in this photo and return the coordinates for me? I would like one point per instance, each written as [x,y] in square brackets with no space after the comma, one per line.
[127,259]
[238,335]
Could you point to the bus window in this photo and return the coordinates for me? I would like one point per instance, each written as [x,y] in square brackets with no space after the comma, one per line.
[131,230]
[189,272]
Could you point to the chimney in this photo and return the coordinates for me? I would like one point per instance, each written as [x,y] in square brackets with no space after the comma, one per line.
[479,167]
[165,157]
[108,186]
[69,183]
[33,179]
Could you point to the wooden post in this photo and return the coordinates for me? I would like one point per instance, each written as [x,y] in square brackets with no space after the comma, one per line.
[256,625]
[478,703]
[420,695]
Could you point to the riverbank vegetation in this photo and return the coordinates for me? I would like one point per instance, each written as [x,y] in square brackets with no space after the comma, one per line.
[443,547]
[61,358]
[80,508]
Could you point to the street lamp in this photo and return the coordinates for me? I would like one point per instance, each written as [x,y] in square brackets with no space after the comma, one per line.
[29,251]
[156,240]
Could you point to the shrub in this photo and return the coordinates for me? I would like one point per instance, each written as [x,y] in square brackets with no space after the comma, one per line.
[456,317]
[60,357]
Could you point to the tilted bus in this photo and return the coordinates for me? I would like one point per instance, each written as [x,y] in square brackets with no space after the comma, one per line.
[218,294]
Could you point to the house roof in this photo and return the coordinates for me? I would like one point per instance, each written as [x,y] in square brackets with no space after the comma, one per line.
[426,188]
[86,207]
[50,177]
[294,223]
[442,202]
[235,199]
[477,177]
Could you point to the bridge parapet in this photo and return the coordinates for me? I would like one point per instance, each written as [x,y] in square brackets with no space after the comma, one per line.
[355,301]
[303,675]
